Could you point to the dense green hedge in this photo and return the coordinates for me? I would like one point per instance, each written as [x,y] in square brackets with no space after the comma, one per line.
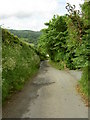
[66,40]
[19,63]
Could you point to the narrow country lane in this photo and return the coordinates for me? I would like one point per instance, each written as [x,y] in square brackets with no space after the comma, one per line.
[51,94]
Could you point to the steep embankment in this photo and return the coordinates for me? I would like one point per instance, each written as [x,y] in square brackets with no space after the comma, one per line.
[19,62]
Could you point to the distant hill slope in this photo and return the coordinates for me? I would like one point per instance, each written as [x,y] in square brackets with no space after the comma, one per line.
[27,35]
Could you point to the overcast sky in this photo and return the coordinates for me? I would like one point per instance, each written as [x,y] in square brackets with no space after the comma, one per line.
[31,14]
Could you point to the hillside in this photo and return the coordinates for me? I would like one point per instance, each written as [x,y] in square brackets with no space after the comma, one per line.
[27,35]
[19,63]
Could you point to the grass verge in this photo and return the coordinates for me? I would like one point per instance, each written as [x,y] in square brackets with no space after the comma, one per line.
[58,65]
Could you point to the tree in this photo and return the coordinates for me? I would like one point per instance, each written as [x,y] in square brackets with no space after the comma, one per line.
[54,37]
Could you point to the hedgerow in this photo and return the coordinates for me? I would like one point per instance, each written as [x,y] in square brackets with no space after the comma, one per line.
[66,40]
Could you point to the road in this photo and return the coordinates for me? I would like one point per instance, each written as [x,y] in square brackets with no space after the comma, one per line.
[50,94]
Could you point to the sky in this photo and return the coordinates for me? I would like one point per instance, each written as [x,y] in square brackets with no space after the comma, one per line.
[31,14]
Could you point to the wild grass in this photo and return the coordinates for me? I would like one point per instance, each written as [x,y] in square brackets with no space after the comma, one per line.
[57,65]
[84,82]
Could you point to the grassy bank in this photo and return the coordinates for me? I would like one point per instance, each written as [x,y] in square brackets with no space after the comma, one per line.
[84,82]
[19,63]
[58,65]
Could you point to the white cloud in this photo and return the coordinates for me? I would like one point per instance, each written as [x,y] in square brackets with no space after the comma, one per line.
[10,7]
[30,14]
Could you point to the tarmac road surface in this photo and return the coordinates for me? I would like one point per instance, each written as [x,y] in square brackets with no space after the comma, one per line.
[50,94]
